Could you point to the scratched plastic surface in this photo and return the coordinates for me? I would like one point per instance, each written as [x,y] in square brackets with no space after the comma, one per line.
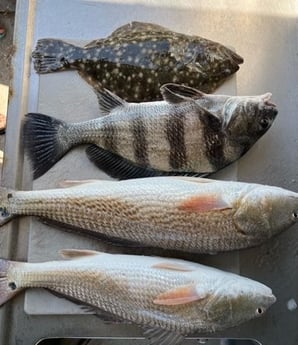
[270,65]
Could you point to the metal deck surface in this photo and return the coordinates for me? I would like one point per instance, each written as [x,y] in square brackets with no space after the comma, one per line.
[270,56]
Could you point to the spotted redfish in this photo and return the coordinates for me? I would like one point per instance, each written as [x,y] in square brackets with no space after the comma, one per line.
[172,298]
[136,59]
[180,213]
[188,133]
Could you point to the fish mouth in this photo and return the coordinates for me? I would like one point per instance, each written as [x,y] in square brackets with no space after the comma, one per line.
[271,299]
[267,100]
[237,58]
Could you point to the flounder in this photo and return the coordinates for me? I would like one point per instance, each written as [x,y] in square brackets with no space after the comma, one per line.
[136,59]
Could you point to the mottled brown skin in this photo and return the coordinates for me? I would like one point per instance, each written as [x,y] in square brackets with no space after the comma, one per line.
[138,58]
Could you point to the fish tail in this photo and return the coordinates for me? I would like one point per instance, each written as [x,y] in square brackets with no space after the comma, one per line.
[8,289]
[46,140]
[52,55]
[5,195]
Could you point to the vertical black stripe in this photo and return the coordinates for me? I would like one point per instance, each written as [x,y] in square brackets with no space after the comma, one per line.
[214,143]
[140,145]
[176,137]
[110,138]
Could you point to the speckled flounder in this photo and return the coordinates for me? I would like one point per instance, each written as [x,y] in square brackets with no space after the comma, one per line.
[170,297]
[188,133]
[180,213]
[136,59]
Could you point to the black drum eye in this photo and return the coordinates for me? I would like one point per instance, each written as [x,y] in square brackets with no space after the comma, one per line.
[264,123]
[259,311]
[295,215]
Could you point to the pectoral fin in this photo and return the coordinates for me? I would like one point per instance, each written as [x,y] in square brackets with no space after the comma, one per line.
[204,203]
[181,295]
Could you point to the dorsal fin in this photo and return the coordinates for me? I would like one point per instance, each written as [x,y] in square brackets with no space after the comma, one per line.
[193,179]
[175,93]
[77,253]
[174,266]
[77,183]
[134,27]
[107,101]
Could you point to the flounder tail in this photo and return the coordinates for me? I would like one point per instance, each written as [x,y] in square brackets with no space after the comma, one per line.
[8,289]
[52,55]
[45,141]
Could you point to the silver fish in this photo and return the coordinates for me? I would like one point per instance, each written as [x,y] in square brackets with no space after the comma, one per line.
[173,298]
[136,59]
[187,214]
[188,133]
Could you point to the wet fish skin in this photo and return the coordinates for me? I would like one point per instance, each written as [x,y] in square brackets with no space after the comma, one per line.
[176,135]
[174,296]
[135,60]
[186,214]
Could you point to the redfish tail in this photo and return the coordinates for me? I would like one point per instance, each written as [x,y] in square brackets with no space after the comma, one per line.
[45,141]
[52,55]
[8,289]
[5,216]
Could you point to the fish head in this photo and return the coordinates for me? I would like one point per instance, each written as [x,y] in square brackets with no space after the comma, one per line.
[265,211]
[236,300]
[247,118]
[218,60]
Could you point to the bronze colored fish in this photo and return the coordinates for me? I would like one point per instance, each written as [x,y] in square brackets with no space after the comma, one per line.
[170,297]
[136,59]
[188,133]
[187,214]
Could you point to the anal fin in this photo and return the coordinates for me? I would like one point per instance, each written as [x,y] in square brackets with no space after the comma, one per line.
[158,336]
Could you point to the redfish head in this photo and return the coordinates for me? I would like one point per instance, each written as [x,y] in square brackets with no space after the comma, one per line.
[238,300]
[266,211]
[247,118]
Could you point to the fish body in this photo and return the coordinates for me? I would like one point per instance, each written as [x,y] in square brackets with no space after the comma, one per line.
[135,60]
[188,132]
[172,297]
[187,214]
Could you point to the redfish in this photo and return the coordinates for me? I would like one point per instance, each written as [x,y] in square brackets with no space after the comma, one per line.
[186,214]
[171,298]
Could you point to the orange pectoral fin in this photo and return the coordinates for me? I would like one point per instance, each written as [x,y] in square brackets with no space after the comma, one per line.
[181,295]
[204,203]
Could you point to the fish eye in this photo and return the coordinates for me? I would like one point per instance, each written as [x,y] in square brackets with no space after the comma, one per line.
[259,311]
[12,285]
[264,122]
[295,215]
